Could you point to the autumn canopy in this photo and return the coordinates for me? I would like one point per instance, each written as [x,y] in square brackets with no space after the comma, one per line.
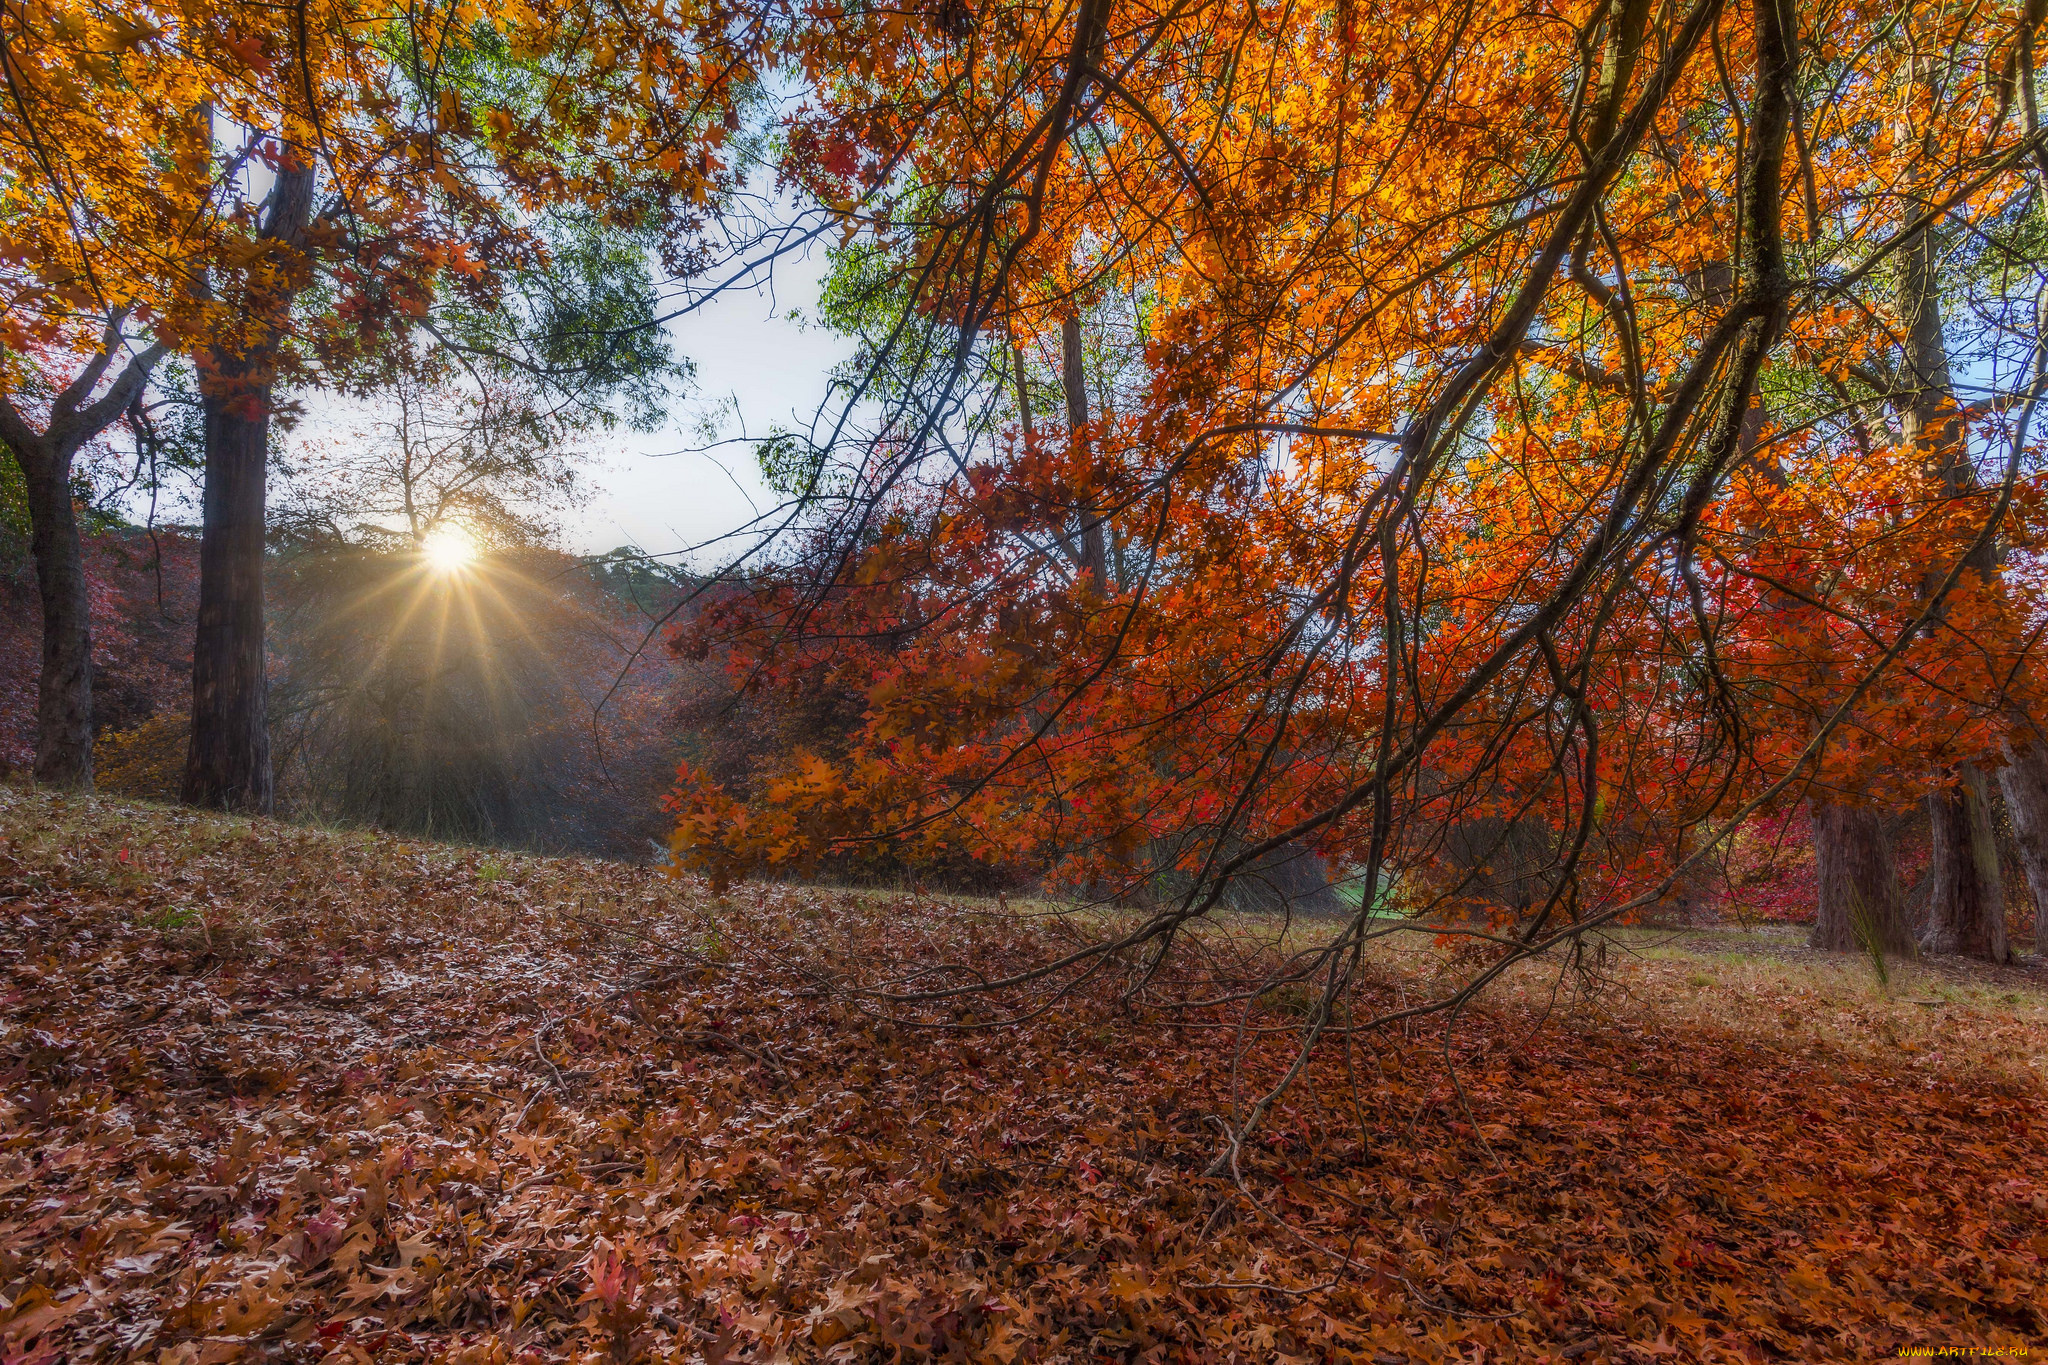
[1494,451]
[1435,481]
[1484,453]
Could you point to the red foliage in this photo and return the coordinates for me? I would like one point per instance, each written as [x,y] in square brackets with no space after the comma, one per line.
[1770,870]
[1495,482]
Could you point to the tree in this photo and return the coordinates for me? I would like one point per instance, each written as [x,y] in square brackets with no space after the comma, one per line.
[228,763]
[1505,459]
[79,412]
[89,117]
[1967,911]
[278,192]
[560,95]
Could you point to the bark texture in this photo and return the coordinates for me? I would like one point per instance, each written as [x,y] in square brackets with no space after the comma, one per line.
[1856,877]
[64,688]
[1966,906]
[228,763]
[84,409]
[2024,780]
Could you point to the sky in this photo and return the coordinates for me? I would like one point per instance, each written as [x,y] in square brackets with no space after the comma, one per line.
[668,492]
[757,368]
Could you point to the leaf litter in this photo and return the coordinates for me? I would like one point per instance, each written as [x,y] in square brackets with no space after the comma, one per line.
[280,1094]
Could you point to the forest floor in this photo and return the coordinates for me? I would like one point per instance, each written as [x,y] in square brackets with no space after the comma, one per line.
[273,1093]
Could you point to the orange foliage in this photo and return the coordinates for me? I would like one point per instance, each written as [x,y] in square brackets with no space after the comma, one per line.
[145,141]
[1520,435]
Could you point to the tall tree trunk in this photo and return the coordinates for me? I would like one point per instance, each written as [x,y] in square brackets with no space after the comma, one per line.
[1857,882]
[2024,780]
[1967,911]
[64,691]
[228,763]
[1074,379]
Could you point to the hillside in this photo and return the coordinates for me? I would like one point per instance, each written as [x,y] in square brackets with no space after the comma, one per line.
[281,1094]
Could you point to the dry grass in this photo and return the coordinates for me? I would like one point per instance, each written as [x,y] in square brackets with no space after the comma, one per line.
[1761,984]
[1765,986]
[1936,1014]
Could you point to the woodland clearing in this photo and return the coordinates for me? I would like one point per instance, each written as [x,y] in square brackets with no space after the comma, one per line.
[280,1093]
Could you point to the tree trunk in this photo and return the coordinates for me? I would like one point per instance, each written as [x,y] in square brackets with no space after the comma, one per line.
[1966,910]
[64,692]
[228,763]
[1857,882]
[1074,379]
[2024,781]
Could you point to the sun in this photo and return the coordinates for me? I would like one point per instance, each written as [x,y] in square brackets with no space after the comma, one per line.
[448,549]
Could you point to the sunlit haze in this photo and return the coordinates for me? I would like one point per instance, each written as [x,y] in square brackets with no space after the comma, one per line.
[448,549]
